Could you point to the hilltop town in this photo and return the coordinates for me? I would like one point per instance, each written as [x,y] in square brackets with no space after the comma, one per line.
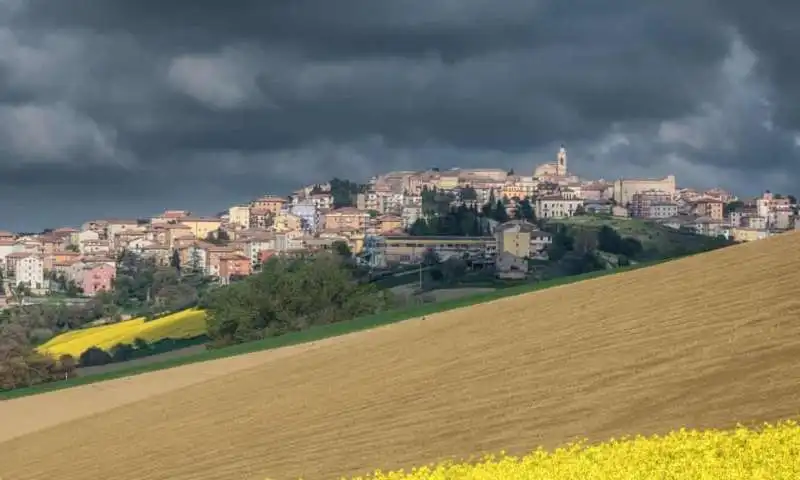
[396,218]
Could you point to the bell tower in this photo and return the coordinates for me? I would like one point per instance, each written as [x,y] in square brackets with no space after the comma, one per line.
[562,160]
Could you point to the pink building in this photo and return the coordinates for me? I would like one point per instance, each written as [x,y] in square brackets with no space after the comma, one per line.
[98,278]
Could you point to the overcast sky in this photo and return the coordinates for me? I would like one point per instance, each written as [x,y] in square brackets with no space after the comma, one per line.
[118,108]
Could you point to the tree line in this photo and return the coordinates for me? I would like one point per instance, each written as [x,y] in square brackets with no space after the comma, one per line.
[290,294]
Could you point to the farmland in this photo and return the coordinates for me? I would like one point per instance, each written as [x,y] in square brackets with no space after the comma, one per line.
[185,324]
[705,341]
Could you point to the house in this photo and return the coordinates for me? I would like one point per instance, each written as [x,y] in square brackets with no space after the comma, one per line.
[195,256]
[346,218]
[308,213]
[744,234]
[323,201]
[11,261]
[515,237]
[557,206]
[116,226]
[86,235]
[239,217]
[4,235]
[159,253]
[287,222]
[255,244]
[68,235]
[597,207]
[410,214]
[708,207]
[64,256]
[234,265]
[30,271]
[510,266]
[269,203]
[287,241]
[97,278]
[97,226]
[6,247]
[389,223]
[540,241]
[261,218]
[201,227]
[171,216]
[652,204]
[95,247]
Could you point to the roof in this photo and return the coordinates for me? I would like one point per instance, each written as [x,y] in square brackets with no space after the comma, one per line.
[522,225]
[19,255]
[200,219]
[347,211]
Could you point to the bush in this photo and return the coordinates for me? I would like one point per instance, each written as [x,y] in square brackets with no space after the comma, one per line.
[94,356]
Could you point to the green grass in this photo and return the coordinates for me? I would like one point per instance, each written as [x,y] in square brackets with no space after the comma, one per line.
[316,333]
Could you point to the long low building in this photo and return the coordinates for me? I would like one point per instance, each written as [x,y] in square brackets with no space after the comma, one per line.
[406,248]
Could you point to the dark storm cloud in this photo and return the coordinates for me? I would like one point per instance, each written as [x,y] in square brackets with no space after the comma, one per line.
[771,31]
[212,102]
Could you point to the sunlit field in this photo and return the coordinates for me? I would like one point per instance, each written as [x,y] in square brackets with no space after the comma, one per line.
[185,324]
[771,452]
[704,342]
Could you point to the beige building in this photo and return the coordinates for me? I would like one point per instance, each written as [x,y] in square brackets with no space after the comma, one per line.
[270,203]
[347,218]
[239,217]
[515,237]
[624,189]
[708,207]
[201,226]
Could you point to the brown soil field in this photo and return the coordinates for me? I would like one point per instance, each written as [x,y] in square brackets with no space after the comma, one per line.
[706,341]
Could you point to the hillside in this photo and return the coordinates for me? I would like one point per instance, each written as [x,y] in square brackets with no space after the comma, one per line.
[706,341]
[657,240]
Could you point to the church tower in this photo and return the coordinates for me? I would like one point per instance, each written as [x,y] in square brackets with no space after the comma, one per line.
[562,161]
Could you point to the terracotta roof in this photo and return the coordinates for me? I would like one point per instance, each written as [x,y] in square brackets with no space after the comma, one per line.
[6,243]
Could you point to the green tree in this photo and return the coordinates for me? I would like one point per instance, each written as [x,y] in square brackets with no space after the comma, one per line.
[175,260]
[341,248]
[289,294]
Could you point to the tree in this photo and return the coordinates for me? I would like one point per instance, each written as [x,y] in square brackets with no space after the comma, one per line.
[580,210]
[72,248]
[289,294]
[67,364]
[175,260]
[94,356]
[525,210]
[344,192]
[122,352]
[341,248]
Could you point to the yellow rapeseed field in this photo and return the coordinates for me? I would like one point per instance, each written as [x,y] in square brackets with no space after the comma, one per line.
[704,342]
[185,324]
[768,453]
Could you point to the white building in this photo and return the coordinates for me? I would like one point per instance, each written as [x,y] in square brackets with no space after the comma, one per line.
[557,206]
[30,270]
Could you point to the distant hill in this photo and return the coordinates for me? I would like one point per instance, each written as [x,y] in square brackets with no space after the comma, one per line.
[657,240]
